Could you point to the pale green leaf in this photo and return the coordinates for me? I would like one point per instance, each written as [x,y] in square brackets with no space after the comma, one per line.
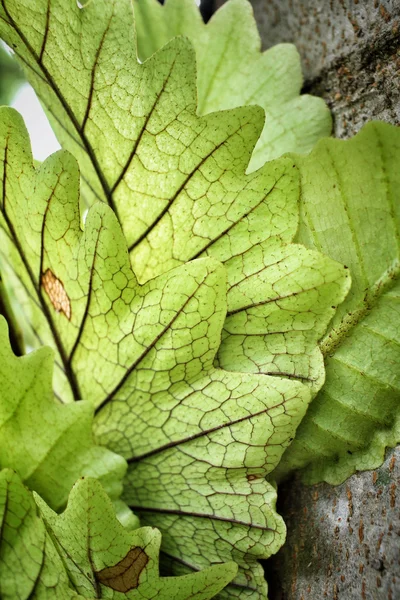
[85,552]
[143,353]
[232,71]
[105,560]
[47,444]
[176,181]
[351,210]
[29,564]
[288,291]
[280,300]
[144,356]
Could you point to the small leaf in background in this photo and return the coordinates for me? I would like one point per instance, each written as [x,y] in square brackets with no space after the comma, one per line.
[11,77]
[351,211]
[232,71]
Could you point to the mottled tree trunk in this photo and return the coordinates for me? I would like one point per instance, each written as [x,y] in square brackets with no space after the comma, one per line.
[350,51]
[343,543]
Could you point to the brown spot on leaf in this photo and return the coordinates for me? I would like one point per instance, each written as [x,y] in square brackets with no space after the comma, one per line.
[55,290]
[124,576]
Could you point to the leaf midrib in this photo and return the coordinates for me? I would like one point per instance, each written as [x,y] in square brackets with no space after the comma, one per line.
[384,284]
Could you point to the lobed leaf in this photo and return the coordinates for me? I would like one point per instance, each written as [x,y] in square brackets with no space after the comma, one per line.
[177,181]
[29,564]
[144,351]
[144,356]
[47,444]
[232,71]
[85,552]
[350,210]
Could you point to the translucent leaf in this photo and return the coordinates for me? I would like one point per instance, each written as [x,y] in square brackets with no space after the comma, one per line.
[176,181]
[85,552]
[351,210]
[143,349]
[232,71]
[144,356]
[47,444]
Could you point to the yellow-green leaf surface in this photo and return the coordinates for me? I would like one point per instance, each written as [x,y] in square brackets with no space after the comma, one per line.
[351,211]
[177,181]
[29,564]
[47,444]
[280,295]
[199,440]
[85,553]
[233,72]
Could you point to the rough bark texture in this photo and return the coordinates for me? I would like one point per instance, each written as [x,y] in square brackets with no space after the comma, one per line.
[350,50]
[343,543]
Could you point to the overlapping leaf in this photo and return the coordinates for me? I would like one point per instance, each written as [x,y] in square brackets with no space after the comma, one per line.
[29,564]
[47,444]
[177,181]
[351,210]
[144,355]
[233,72]
[85,552]
[199,440]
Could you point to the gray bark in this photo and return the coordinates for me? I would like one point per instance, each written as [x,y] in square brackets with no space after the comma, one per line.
[343,542]
[350,51]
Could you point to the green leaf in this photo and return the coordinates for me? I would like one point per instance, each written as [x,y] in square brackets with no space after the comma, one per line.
[11,77]
[280,296]
[47,444]
[29,564]
[199,440]
[85,552]
[351,210]
[232,71]
[280,301]
[143,353]
[176,181]
[134,130]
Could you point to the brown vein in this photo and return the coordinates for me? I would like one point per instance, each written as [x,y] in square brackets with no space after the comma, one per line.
[37,287]
[198,435]
[145,352]
[196,515]
[142,132]
[179,191]
[49,80]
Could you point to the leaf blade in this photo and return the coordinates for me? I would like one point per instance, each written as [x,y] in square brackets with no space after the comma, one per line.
[355,416]
[233,72]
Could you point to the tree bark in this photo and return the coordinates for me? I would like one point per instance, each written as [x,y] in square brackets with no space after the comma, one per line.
[342,542]
[350,52]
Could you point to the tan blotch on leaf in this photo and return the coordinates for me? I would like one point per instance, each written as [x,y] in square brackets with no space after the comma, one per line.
[55,290]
